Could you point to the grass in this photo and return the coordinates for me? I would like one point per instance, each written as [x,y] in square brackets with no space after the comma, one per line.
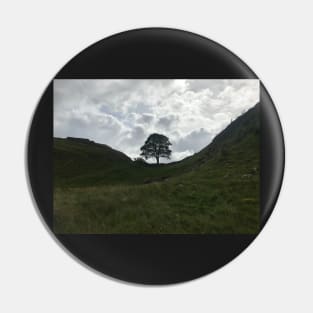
[99,190]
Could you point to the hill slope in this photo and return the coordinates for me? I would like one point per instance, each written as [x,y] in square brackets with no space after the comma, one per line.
[100,190]
[82,162]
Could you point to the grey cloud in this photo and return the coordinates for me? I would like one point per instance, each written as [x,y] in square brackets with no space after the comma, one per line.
[133,140]
[194,141]
[145,118]
[135,136]
[166,122]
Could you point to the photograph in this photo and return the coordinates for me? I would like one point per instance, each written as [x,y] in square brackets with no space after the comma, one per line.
[156,156]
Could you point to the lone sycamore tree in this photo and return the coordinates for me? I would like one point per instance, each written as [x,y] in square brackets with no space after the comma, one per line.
[156,146]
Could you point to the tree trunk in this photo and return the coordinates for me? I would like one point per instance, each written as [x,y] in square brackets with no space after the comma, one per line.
[157,159]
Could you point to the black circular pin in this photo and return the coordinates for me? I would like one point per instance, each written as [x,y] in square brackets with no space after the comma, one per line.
[155,156]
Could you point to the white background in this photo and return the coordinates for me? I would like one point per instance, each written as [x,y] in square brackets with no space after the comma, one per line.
[274,38]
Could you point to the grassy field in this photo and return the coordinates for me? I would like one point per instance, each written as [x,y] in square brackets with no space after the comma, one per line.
[100,190]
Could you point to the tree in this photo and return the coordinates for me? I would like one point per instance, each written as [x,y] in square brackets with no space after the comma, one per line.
[156,146]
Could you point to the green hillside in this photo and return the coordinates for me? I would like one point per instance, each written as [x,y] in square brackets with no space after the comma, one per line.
[100,190]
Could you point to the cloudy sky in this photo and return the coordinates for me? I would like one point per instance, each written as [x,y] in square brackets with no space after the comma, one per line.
[123,113]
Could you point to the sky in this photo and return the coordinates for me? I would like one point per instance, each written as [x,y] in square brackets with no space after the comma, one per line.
[122,113]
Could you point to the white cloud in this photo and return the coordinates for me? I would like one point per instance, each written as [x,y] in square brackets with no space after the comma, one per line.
[122,113]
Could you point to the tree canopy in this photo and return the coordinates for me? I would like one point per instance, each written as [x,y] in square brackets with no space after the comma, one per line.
[156,146]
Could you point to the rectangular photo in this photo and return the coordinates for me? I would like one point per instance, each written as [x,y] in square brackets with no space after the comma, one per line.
[156,156]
